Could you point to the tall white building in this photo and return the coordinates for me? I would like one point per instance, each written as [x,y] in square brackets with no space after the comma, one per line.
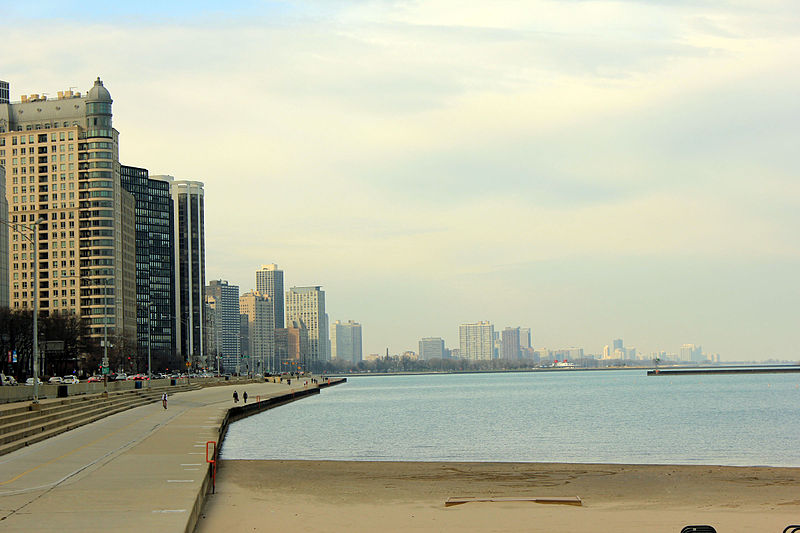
[61,157]
[258,309]
[306,305]
[269,282]
[346,341]
[476,340]
[431,348]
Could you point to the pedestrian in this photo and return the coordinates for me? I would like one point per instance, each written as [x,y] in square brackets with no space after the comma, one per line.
[164,400]
[235,397]
[245,396]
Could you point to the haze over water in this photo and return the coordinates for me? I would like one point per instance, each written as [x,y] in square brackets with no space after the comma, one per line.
[587,417]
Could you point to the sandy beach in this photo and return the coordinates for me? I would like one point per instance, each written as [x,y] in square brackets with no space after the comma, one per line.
[391,496]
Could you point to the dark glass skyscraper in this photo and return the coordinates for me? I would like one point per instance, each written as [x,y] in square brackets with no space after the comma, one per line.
[154,268]
[189,272]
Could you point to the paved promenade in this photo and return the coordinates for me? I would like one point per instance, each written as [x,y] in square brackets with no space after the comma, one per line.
[141,470]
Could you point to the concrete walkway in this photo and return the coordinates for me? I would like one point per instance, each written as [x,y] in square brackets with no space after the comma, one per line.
[141,470]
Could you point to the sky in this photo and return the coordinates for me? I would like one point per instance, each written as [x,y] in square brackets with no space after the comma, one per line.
[589,169]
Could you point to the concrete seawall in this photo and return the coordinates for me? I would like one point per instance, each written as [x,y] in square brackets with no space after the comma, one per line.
[239,412]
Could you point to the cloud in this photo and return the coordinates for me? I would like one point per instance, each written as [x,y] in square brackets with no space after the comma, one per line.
[440,160]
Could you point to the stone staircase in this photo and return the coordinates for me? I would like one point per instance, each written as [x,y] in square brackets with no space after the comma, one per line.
[21,426]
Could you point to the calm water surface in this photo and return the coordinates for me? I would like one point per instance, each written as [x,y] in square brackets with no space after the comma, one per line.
[590,417]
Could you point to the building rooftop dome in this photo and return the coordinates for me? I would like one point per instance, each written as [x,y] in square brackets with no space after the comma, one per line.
[98,92]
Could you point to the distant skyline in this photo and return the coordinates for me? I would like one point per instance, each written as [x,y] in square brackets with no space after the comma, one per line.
[589,169]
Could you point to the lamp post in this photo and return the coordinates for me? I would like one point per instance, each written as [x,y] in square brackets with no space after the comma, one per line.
[33,240]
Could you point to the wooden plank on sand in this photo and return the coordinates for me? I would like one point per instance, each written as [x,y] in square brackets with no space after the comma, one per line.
[567,500]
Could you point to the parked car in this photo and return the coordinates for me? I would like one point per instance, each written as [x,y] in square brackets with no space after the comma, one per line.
[70,380]
[95,379]
[122,376]
[7,380]
[56,380]
[29,381]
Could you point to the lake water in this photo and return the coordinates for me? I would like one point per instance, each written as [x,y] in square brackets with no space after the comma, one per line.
[580,417]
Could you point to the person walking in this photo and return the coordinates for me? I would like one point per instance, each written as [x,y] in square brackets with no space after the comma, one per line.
[235,397]
[244,395]
[164,400]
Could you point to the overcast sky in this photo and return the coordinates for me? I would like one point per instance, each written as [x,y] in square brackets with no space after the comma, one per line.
[589,169]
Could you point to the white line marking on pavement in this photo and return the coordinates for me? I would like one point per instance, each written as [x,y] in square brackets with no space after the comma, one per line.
[169,511]
[196,453]
[180,481]
[199,445]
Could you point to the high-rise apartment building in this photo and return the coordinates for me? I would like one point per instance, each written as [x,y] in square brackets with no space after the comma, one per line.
[306,305]
[258,309]
[189,264]
[269,282]
[525,338]
[431,348]
[511,344]
[476,341]
[62,168]
[155,294]
[693,353]
[210,333]
[226,305]
[346,341]
[4,92]
[325,332]
[297,347]
[4,300]
[244,334]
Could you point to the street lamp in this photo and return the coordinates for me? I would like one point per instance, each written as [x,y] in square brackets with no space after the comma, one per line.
[33,240]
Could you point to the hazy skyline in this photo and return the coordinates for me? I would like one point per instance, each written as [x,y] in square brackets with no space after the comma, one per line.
[591,170]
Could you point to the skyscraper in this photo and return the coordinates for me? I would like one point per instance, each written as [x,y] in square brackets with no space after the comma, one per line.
[346,341]
[296,347]
[269,282]
[306,305]
[431,348]
[4,300]
[155,287]
[261,328]
[61,157]
[476,341]
[511,344]
[525,338]
[227,321]
[189,267]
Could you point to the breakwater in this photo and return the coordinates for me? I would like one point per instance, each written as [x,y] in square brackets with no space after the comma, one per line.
[707,371]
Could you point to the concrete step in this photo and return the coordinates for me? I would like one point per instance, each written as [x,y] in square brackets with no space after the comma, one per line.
[37,426]
[44,435]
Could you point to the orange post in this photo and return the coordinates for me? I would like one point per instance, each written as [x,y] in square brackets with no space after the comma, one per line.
[213,460]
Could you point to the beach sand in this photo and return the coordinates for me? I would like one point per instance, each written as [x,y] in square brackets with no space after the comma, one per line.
[337,496]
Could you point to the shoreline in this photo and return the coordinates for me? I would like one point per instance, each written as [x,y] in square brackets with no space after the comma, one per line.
[259,495]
